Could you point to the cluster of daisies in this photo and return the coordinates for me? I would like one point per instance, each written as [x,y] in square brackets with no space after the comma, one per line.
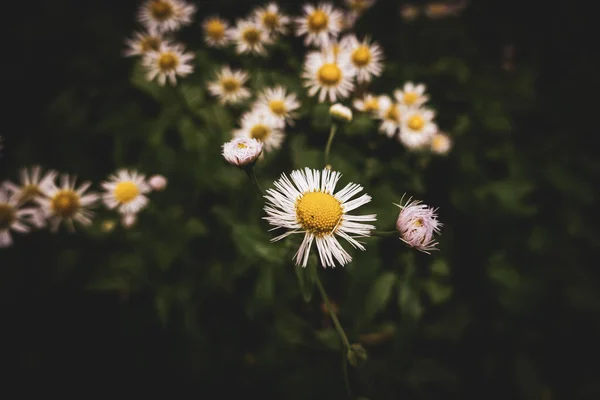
[45,199]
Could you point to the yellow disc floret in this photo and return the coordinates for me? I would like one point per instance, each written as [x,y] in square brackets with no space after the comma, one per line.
[167,62]
[330,74]
[126,191]
[410,98]
[416,122]
[361,56]
[230,85]
[251,36]
[318,21]
[270,20]
[259,132]
[277,107]
[65,203]
[7,216]
[161,10]
[215,29]
[319,213]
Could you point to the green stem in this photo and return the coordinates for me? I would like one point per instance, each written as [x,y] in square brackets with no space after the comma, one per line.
[336,322]
[329,142]
[385,233]
[187,107]
[254,180]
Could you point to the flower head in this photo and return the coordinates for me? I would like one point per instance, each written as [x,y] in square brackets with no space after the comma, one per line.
[157,182]
[417,128]
[13,217]
[229,86]
[328,75]
[417,224]
[369,103]
[33,183]
[143,43]
[307,204]
[411,95]
[340,112]
[165,15]
[320,24]
[359,6]
[263,127]
[272,19]
[249,37]
[440,143]
[215,31]
[278,102]
[126,191]
[390,113]
[364,57]
[242,151]
[169,61]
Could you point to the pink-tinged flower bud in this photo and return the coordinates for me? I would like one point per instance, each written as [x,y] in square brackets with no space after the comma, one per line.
[157,182]
[417,224]
[242,151]
[128,220]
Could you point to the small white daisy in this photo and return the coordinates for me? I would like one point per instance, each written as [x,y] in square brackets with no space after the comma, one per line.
[229,86]
[142,43]
[12,217]
[365,57]
[440,143]
[67,203]
[126,191]
[215,32]
[369,103]
[417,127]
[165,15]
[320,24]
[242,151]
[340,112]
[332,78]
[249,37]
[32,183]
[411,95]
[390,114]
[278,102]
[262,126]
[309,206]
[271,18]
[169,61]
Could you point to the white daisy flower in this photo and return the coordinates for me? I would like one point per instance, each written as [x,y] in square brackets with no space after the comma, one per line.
[369,103]
[262,126]
[165,15]
[332,78]
[32,183]
[359,6]
[365,58]
[126,191]
[12,217]
[390,114]
[229,86]
[417,128]
[309,206]
[157,182]
[249,37]
[271,18]
[411,95]
[417,223]
[67,203]
[215,31]
[440,143]
[168,62]
[242,151]
[142,43]
[320,24]
[340,112]
[278,102]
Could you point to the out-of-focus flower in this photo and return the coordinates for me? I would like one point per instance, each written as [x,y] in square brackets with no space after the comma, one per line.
[359,6]
[32,184]
[442,9]
[278,102]
[249,37]
[169,61]
[242,151]
[390,114]
[369,103]
[417,128]
[165,15]
[440,143]
[272,19]
[310,207]
[409,12]
[12,216]
[229,86]
[128,220]
[68,203]
[142,43]
[365,57]
[411,95]
[340,112]
[215,31]
[126,191]
[320,24]
[157,182]
[417,223]
[327,75]
[263,127]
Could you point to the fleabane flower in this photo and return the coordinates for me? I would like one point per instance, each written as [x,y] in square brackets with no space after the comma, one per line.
[340,112]
[242,151]
[229,86]
[411,95]
[390,114]
[126,191]
[320,24]
[157,182]
[12,216]
[165,15]
[440,143]
[215,31]
[359,6]
[67,203]
[249,37]
[169,61]
[142,43]
[365,57]
[369,103]
[308,205]
[278,102]
[417,128]
[272,19]
[32,183]
[328,75]
[417,223]
[263,127]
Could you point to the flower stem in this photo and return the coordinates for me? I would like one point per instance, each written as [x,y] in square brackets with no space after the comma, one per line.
[329,142]
[385,233]
[254,180]
[187,107]
[336,322]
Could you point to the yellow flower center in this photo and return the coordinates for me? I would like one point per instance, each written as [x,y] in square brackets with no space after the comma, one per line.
[126,191]
[410,98]
[319,213]
[259,132]
[230,84]
[251,36]
[270,20]
[418,222]
[150,43]
[241,146]
[29,192]
[361,56]
[416,123]
[358,5]
[392,113]
[215,29]
[317,21]
[161,10]
[371,104]
[65,203]
[167,62]
[277,107]
[330,74]
[7,216]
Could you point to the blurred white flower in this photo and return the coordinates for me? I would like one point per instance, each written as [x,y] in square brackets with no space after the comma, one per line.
[328,75]
[359,6]
[272,19]
[278,102]
[215,31]
[13,217]
[128,220]
[249,37]
[390,114]
[417,128]
[169,61]
[229,86]
[320,24]
[165,15]
[417,223]
[440,143]
[369,103]
[242,151]
[365,57]
[143,43]
[33,183]
[411,95]
[263,127]
[338,111]
[126,191]
[157,182]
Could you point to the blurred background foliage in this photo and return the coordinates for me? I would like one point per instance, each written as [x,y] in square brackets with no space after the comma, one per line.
[196,298]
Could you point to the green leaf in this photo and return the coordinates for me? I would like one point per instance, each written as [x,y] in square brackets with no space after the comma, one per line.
[408,296]
[438,292]
[380,293]
[265,285]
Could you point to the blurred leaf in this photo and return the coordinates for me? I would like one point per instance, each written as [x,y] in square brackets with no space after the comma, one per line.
[380,293]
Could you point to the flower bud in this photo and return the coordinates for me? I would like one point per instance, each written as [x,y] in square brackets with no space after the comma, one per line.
[357,355]
[128,220]
[242,151]
[340,112]
[417,224]
[157,182]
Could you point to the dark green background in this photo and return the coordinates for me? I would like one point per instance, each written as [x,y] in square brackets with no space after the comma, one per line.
[195,298]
